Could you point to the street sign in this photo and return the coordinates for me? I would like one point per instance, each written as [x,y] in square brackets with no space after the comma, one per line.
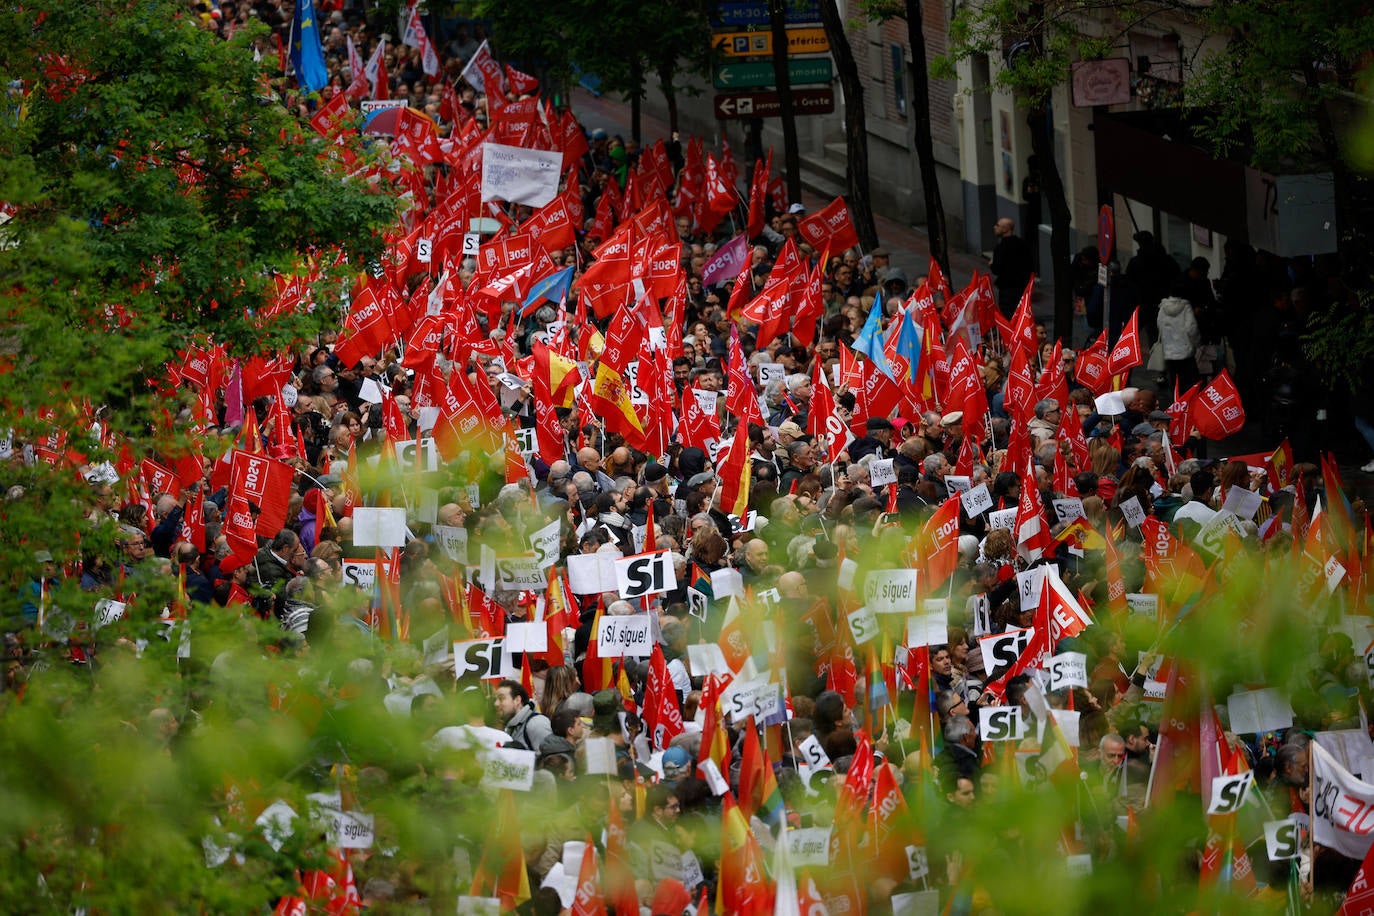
[760,44]
[741,13]
[767,105]
[759,75]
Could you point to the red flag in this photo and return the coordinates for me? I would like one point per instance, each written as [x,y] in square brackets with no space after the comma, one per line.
[744,888]
[1031,527]
[662,714]
[1217,411]
[937,545]
[620,878]
[588,899]
[502,872]
[1091,366]
[830,228]
[265,483]
[1125,355]
[735,472]
[758,193]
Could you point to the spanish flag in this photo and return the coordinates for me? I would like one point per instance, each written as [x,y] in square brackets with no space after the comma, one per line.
[1080,532]
[736,471]
[610,400]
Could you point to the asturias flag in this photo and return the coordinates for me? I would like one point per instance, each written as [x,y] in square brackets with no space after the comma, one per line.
[307,56]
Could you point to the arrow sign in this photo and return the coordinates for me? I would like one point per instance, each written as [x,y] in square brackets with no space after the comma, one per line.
[760,44]
[800,70]
[768,105]
[743,14]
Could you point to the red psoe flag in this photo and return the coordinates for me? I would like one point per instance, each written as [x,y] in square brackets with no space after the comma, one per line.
[830,227]
[1125,356]
[662,715]
[265,483]
[1217,411]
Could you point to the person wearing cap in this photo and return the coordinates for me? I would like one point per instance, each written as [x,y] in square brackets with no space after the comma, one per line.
[880,262]
[953,425]
[1159,419]
[877,440]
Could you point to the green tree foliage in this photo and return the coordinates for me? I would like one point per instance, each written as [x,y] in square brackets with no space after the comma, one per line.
[158,192]
[620,41]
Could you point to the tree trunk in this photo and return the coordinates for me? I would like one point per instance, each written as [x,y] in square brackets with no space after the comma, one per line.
[1052,193]
[925,145]
[666,70]
[855,127]
[777,20]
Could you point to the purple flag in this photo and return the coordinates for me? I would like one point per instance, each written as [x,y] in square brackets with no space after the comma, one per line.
[725,264]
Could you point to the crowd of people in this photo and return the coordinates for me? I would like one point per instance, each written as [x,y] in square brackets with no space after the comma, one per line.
[847,485]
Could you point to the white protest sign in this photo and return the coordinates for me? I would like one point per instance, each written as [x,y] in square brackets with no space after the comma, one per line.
[527,637]
[1002,518]
[472,244]
[1079,866]
[692,875]
[917,862]
[519,573]
[891,591]
[1068,669]
[600,755]
[520,176]
[1068,509]
[1000,652]
[706,400]
[916,903]
[770,372]
[638,396]
[710,772]
[619,637]
[845,580]
[353,830]
[882,472]
[1254,712]
[759,698]
[706,658]
[1142,603]
[982,615]
[726,582]
[486,567]
[1132,511]
[508,768]
[1029,584]
[107,611]
[362,573]
[1067,720]
[544,543]
[863,624]
[278,824]
[379,527]
[1211,537]
[809,846]
[586,575]
[453,541]
[527,437]
[1229,792]
[976,500]
[958,484]
[928,629]
[645,574]
[405,456]
[436,648]
[1001,723]
[1282,839]
[813,753]
[1241,502]
[481,659]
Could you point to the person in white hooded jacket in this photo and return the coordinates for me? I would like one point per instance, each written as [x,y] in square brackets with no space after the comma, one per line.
[1179,338]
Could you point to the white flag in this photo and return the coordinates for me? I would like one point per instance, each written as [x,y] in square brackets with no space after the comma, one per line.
[1342,806]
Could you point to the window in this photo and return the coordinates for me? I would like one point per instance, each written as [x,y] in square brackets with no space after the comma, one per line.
[899,78]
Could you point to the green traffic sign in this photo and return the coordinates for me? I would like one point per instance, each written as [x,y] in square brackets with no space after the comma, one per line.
[801,71]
